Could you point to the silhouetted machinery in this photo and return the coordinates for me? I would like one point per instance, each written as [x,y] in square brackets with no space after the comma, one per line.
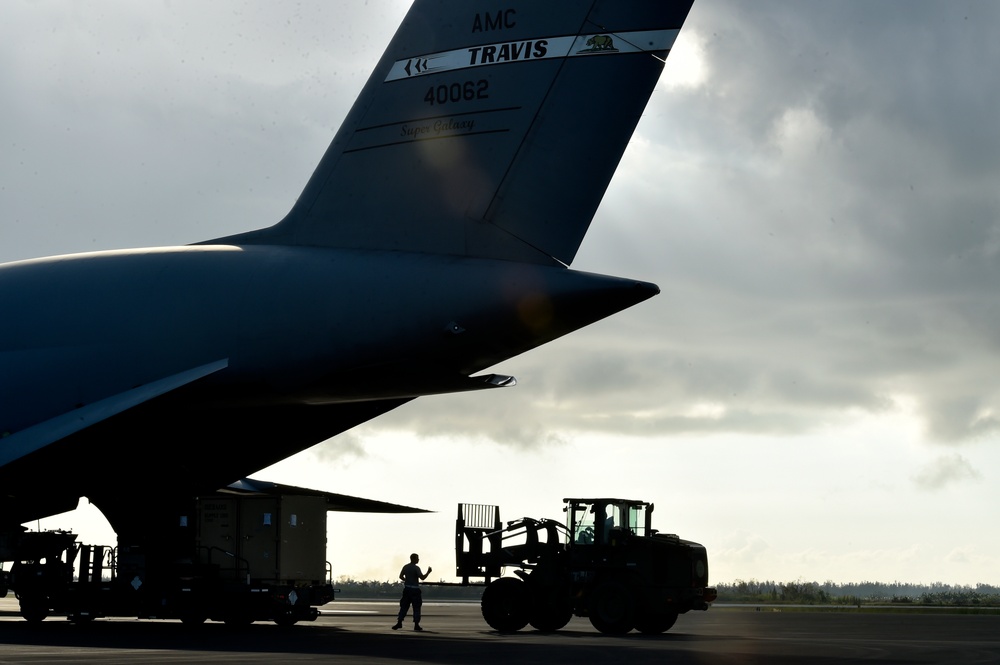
[237,557]
[609,565]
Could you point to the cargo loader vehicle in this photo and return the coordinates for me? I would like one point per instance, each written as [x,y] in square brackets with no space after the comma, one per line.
[607,564]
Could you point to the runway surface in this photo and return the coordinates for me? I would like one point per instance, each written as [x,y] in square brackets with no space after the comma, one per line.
[455,633]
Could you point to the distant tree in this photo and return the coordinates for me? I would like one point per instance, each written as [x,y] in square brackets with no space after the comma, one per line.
[858,593]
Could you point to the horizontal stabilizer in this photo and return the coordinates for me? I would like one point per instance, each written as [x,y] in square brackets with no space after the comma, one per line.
[334,502]
[497,380]
[38,436]
[371,384]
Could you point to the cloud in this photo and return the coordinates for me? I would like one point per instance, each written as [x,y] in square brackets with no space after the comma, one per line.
[341,448]
[969,555]
[946,470]
[742,547]
[507,416]
[820,216]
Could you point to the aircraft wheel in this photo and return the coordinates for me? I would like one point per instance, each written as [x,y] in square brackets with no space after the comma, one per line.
[505,605]
[286,621]
[654,624]
[612,608]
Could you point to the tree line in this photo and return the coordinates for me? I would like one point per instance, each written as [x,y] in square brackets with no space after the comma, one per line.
[746,591]
[858,593]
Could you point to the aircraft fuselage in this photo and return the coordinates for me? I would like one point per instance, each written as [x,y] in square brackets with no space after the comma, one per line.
[291,325]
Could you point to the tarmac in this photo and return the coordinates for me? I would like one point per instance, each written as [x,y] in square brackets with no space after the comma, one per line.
[352,632]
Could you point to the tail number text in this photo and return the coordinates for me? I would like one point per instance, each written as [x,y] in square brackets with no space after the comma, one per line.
[457,92]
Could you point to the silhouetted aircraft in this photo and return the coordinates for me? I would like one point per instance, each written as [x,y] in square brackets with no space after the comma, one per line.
[431,243]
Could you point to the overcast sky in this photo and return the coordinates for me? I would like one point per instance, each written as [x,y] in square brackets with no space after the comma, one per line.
[815,393]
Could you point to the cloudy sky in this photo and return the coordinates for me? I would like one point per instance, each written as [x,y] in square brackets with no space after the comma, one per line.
[814,395]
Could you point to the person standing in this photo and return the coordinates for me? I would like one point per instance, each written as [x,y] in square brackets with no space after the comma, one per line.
[411,576]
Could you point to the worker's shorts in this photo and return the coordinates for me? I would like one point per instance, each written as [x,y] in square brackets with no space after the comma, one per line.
[411,597]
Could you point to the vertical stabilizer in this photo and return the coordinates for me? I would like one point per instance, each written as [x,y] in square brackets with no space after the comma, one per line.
[487,130]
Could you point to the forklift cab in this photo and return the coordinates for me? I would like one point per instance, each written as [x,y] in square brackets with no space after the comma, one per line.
[605,521]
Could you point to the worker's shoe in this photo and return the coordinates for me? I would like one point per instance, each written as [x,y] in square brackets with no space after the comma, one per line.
[417,627]
[398,625]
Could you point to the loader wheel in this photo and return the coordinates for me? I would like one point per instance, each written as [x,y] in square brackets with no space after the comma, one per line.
[551,608]
[612,608]
[549,618]
[193,618]
[505,605]
[34,609]
[654,624]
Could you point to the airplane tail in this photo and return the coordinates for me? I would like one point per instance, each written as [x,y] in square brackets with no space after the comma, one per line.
[486,132]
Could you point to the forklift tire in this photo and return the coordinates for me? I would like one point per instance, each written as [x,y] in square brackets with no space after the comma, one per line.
[505,605]
[551,600]
[192,618]
[654,624]
[550,618]
[612,608]
[551,608]
[34,611]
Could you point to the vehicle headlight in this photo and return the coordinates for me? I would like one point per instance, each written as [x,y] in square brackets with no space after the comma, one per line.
[700,570]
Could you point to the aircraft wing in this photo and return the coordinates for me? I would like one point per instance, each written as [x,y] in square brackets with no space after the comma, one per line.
[36,437]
